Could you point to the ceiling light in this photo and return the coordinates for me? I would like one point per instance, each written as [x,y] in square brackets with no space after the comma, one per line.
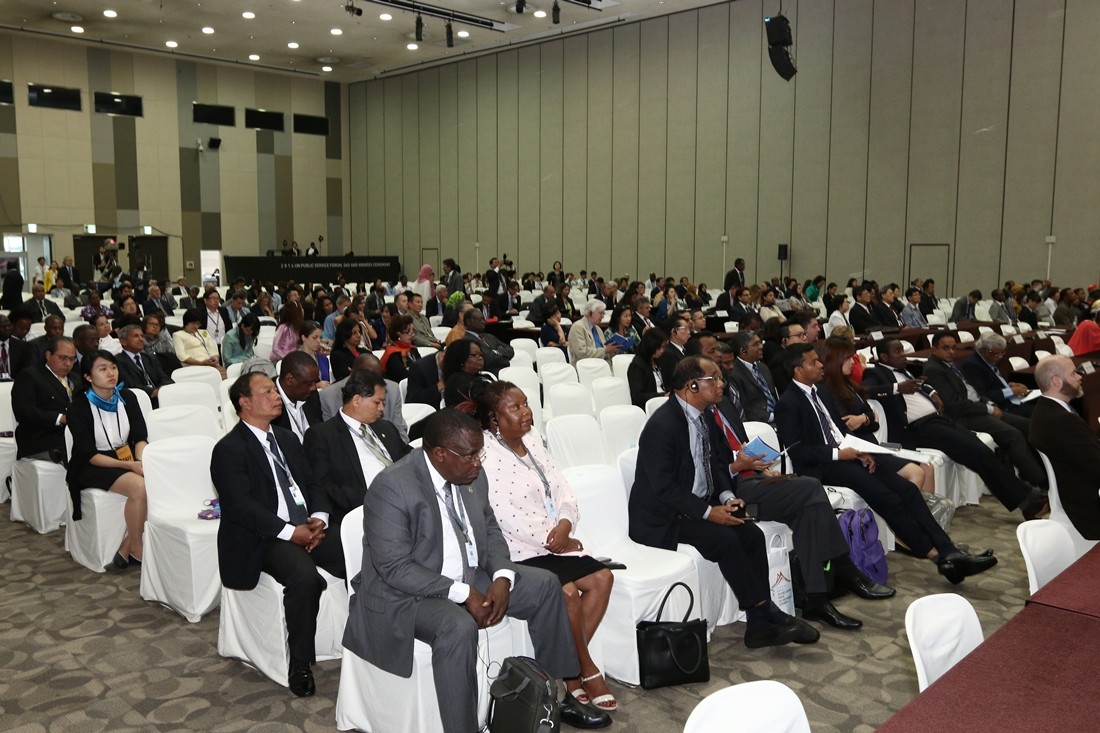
[326,68]
[386,16]
[77,29]
[32,228]
[208,30]
[412,47]
[248,15]
[540,13]
[464,34]
[292,44]
[336,32]
[253,57]
[110,13]
[171,44]
[47,91]
[118,99]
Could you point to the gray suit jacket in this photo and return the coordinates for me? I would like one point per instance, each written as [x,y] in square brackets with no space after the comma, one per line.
[752,397]
[403,558]
[332,400]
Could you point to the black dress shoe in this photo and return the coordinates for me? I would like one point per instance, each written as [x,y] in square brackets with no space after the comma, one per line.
[120,562]
[806,634]
[1035,507]
[864,587]
[582,716]
[300,679]
[827,613]
[773,635]
[957,566]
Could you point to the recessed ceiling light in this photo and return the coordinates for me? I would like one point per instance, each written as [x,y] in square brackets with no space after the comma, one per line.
[118,99]
[540,13]
[292,44]
[47,91]
[110,13]
[248,15]
[253,57]
[326,68]
[208,30]
[77,29]
[336,32]
[464,34]
[412,47]
[386,16]
[171,44]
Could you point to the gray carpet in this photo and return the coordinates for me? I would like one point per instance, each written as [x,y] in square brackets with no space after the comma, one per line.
[81,652]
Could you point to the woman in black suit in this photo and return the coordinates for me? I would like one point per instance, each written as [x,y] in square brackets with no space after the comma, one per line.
[644,373]
[345,349]
[109,436]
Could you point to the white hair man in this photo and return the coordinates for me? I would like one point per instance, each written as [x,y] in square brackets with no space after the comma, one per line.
[586,339]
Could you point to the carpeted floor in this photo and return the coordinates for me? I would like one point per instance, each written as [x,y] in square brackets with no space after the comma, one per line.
[81,652]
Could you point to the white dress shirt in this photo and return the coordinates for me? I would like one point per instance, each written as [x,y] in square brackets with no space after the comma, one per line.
[817,404]
[111,429]
[296,412]
[284,513]
[916,405]
[367,461]
[836,318]
[699,486]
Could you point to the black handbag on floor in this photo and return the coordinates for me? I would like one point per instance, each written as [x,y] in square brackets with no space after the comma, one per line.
[524,699]
[671,652]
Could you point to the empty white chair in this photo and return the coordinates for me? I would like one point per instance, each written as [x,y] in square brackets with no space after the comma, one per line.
[731,326]
[907,347]
[180,421]
[520,377]
[426,352]
[620,363]
[764,706]
[966,337]
[1058,512]
[622,426]
[180,565]
[942,629]
[652,404]
[570,399]
[575,440]
[1064,350]
[1057,340]
[1047,549]
[441,332]
[190,393]
[535,403]
[1024,327]
[39,495]
[93,539]
[610,392]
[415,412]
[523,360]
[1017,363]
[936,319]
[434,321]
[1041,354]
[984,329]
[262,350]
[638,590]
[521,322]
[589,370]
[1007,329]
[525,346]
[549,355]
[628,465]
[205,375]
[555,373]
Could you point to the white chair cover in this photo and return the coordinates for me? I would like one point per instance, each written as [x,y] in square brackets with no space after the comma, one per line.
[764,706]
[94,539]
[575,440]
[649,572]
[967,337]
[1057,340]
[233,371]
[570,399]
[935,319]
[1064,350]
[434,321]
[1024,327]
[39,495]
[1058,513]
[589,370]
[8,450]
[202,374]
[176,422]
[534,401]
[621,426]
[144,403]
[403,387]
[189,394]
[521,322]
[942,629]
[620,363]
[628,466]
[519,376]
[1008,329]
[372,700]
[612,392]
[180,566]
[943,468]
[553,373]
[522,359]
[1017,363]
[415,412]
[731,326]
[652,404]
[549,355]
[441,332]
[1047,549]
[1041,354]
[526,346]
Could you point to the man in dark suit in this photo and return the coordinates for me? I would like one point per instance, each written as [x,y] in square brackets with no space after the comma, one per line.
[735,278]
[1029,310]
[980,370]
[138,369]
[885,310]
[789,333]
[965,406]
[274,518]
[16,355]
[425,385]
[810,424]
[437,306]
[39,399]
[497,354]
[914,419]
[1072,449]
[752,378]
[508,305]
[640,320]
[192,300]
[38,307]
[332,396]
[68,276]
[965,308]
[348,451]
[679,331]
[540,303]
[376,302]
[684,493]
[159,302]
[928,300]
[436,568]
[494,280]
[862,318]
[727,300]
[297,385]
[452,276]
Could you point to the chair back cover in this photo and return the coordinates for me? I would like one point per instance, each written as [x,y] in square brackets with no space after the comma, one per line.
[764,706]
[600,497]
[589,370]
[575,440]
[1058,512]
[519,376]
[570,399]
[628,465]
[652,404]
[351,538]
[1047,549]
[180,421]
[622,426]
[942,629]
[549,355]
[525,346]
[620,363]
[177,475]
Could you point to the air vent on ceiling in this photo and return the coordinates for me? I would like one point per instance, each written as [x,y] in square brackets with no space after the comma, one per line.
[67,17]
[361,64]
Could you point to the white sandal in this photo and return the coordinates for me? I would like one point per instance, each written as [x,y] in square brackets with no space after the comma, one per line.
[607,703]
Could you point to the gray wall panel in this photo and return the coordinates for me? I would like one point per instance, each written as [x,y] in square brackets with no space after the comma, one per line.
[552,146]
[652,144]
[529,198]
[624,144]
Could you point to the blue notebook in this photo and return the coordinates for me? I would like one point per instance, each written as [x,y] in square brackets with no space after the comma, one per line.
[758,447]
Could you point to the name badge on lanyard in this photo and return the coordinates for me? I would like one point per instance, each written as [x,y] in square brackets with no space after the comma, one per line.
[296,493]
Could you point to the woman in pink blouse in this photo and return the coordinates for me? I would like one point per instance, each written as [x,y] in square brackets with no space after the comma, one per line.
[537,512]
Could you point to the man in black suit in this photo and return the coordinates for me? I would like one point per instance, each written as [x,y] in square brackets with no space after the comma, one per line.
[274,518]
[349,450]
[297,385]
[191,300]
[862,318]
[38,307]
[965,309]
[810,424]
[508,305]
[735,278]
[377,301]
[16,355]
[1063,436]
[885,310]
[914,419]
[425,385]
[752,377]
[640,320]
[138,369]
[497,354]
[39,399]
[332,396]
[1029,309]
[539,303]
[928,300]
[684,491]
[980,370]
[215,316]
[437,306]
[789,333]
[494,280]
[965,406]
[68,276]
[678,334]
[159,302]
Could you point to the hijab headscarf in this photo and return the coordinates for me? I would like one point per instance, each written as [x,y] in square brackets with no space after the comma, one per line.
[1086,339]
[426,277]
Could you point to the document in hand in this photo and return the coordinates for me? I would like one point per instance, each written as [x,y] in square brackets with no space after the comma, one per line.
[866,446]
[1031,395]
[758,447]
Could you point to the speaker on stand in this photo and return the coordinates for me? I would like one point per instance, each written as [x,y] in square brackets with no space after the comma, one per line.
[784,252]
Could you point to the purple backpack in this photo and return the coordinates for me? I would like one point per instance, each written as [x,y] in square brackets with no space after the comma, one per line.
[861,531]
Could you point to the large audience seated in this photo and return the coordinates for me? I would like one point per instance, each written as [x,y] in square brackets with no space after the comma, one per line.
[468,515]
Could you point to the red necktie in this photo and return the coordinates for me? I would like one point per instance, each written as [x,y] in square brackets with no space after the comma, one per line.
[731,437]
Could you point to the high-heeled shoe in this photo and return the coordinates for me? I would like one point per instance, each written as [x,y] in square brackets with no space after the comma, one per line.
[607,703]
[120,562]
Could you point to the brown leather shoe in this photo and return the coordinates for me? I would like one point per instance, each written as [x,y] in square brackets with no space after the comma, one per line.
[1036,508]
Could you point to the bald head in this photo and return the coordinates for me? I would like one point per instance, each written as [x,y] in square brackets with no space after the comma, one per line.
[1057,377]
[367,361]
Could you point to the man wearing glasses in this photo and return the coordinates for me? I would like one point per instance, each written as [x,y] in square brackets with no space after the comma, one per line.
[436,568]
[39,399]
[678,334]
[980,370]
[753,378]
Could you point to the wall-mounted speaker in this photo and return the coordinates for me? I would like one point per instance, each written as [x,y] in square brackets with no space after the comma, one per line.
[781,62]
[783,251]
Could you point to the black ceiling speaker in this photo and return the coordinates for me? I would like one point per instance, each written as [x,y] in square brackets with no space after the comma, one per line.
[778,29]
[215,143]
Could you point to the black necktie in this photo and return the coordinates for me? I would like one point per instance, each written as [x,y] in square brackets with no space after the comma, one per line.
[704,436]
[822,419]
[295,511]
[140,366]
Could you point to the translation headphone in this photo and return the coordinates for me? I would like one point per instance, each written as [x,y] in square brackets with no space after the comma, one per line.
[494,418]
[694,387]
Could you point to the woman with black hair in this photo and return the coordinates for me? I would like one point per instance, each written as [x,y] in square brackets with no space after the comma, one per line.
[239,344]
[345,348]
[463,378]
[644,372]
[109,436]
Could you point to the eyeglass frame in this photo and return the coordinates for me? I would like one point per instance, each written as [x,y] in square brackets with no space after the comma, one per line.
[479,456]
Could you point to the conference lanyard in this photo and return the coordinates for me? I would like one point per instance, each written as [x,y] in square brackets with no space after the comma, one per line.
[551,510]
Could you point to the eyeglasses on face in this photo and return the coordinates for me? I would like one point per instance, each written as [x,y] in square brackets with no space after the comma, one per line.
[473,459]
[715,378]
